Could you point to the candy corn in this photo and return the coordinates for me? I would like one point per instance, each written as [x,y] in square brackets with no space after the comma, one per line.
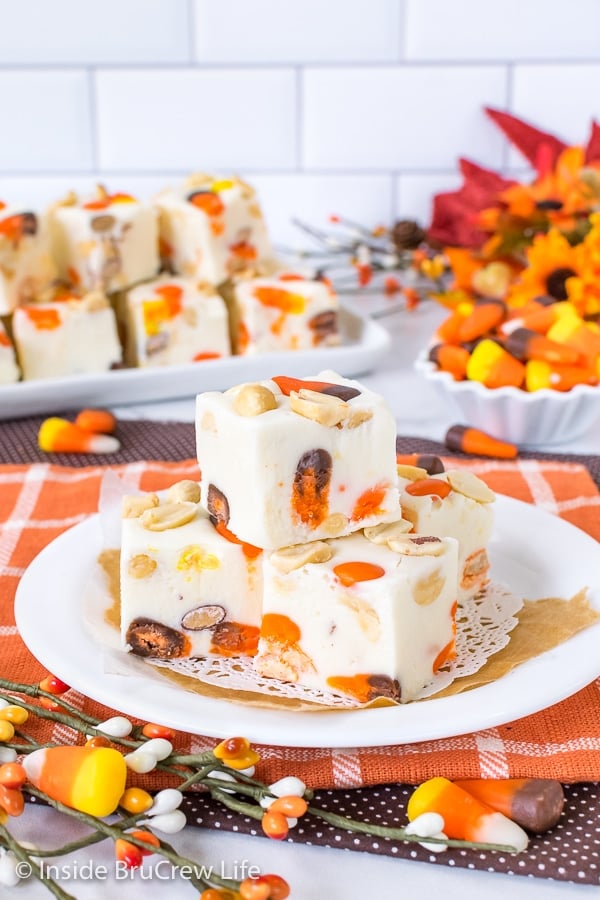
[465,817]
[540,374]
[100,421]
[493,366]
[533,803]
[478,443]
[60,436]
[90,779]
[524,344]
[579,335]
[486,315]
[450,358]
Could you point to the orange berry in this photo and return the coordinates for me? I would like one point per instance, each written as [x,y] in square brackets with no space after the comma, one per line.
[232,747]
[128,853]
[98,741]
[291,806]
[12,775]
[148,838]
[275,825]
[51,705]
[136,800]
[277,888]
[53,685]
[11,800]
[158,731]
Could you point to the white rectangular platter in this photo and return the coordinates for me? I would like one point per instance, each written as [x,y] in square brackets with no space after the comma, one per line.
[364,345]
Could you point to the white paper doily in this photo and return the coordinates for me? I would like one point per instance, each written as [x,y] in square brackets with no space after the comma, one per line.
[483,628]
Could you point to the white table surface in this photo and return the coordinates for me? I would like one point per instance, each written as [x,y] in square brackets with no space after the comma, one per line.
[315,873]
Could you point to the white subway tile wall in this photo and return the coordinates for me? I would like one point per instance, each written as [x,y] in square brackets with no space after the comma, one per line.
[354,107]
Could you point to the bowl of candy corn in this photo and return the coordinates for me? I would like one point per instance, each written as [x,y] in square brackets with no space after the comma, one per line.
[526,375]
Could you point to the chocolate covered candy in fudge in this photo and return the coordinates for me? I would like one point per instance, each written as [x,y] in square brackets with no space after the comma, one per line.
[26,264]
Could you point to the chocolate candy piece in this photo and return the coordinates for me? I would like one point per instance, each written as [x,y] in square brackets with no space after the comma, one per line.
[324,324]
[149,638]
[433,465]
[310,496]
[342,391]
[384,686]
[533,803]
[218,505]
[103,223]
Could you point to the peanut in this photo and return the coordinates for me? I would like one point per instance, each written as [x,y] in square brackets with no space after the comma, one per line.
[184,491]
[387,531]
[469,485]
[133,505]
[167,516]
[141,566]
[253,400]
[321,408]
[290,558]
[417,545]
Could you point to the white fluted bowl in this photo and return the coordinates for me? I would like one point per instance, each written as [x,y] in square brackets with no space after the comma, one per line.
[541,417]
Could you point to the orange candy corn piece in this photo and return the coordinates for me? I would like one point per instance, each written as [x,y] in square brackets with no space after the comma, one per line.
[425,486]
[524,344]
[60,436]
[465,817]
[478,443]
[450,358]
[540,374]
[494,367]
[350,573]
[485,316]
[100,421]
[535,804]
[90,779]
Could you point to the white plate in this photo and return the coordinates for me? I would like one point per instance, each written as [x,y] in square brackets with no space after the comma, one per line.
[364,345]
[535,553]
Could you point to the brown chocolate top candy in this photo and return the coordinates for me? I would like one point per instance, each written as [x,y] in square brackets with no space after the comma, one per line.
[149,638]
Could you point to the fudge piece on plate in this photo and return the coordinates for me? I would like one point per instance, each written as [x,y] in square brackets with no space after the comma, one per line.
[362,616]
[175,320]
[211,228]
[26,265]
[291,460]
[71,336]
[109,242]
[458,504]
[187,589]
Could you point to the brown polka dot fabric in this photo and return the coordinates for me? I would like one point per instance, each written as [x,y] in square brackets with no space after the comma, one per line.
[570,852]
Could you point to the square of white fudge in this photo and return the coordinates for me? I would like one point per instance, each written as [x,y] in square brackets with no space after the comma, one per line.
[173,321]
[186,589]
[107,243]
[66,337]
[26,265]
[359,618]
[466,513]
[291,460]
[9,370]
[212,227]
[284,312]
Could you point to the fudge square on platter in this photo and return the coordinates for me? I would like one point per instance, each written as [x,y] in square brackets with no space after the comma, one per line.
[211,227]
[108,242]
[368,615]
[70,336]
[284,311]
[291,460]
[26,265]
[187,589]
[173,321]
[458,504]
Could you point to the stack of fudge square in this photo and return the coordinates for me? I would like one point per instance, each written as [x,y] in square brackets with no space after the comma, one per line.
[305,547]
[108,281]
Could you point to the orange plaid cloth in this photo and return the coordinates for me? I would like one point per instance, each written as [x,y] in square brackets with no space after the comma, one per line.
[38,502]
